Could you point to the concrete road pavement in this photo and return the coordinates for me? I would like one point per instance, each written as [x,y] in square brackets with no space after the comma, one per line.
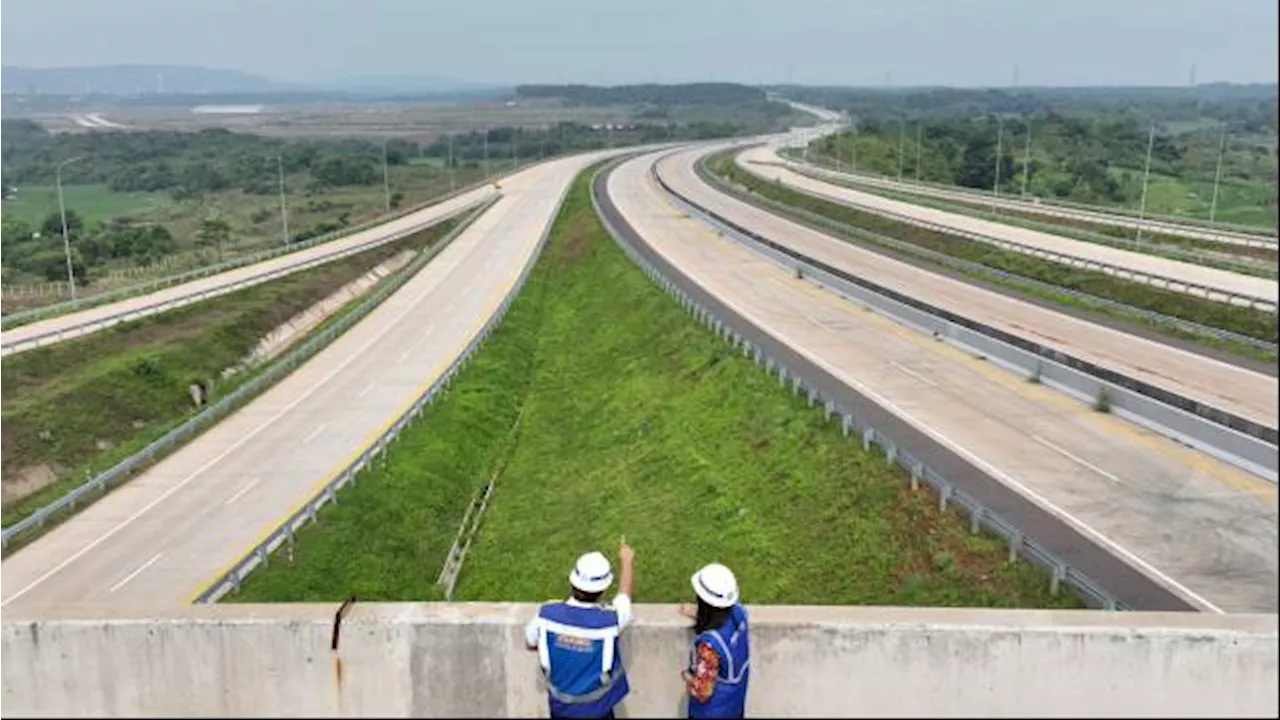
[977,198]
[764,162]
[160,539]
[82,322]
[1231,388]
[1196,525]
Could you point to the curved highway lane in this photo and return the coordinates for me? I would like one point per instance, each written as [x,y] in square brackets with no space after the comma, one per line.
[1197,526]
[161,538]
[764,162]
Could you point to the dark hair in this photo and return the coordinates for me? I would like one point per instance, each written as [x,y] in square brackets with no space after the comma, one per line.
[710,618]
[587,597]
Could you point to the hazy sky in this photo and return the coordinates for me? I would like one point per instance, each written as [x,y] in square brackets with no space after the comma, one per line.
[851,42]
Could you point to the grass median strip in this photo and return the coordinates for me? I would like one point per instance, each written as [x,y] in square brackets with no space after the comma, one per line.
[1244,321]
[635,421]
[80,406]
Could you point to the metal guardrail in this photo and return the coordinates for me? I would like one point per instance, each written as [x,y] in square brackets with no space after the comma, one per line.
[1259,268]
[1021,545]
[1248,235]
[1215,416]
[1155,280]
[812,218]
[159,448]
[25,317]
[258,555]
[55,336]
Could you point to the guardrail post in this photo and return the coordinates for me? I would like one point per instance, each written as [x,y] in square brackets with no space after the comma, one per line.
[1055,580]
[944,494]
[1015,544]
[867,435]
[890,452]
[915,477]
[975,519]
[846,424]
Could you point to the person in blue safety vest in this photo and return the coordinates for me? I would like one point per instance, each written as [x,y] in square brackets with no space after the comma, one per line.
[577,640]
[720,661]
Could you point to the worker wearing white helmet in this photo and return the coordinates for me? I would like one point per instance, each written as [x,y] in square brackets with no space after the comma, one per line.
[577,640]
[719,664]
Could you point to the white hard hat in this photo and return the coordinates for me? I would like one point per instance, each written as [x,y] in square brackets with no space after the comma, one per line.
[716,585]
[592,573]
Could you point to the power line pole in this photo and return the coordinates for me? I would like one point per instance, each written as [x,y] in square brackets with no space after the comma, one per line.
[515,151]
[1217,174]
[486,154]
[1146,178]
[284,206]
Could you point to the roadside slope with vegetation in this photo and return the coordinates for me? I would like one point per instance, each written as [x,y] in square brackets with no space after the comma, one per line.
[603,410]
[79,406]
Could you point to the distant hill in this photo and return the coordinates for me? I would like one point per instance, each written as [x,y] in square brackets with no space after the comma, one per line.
[132,80]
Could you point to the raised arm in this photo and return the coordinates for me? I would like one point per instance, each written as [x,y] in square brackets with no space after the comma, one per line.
[626,577]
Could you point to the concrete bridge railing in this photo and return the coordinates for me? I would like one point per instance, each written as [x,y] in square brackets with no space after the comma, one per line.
[397,660]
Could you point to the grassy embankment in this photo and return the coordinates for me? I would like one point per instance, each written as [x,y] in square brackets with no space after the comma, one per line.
[80,406]
[1245,321]
[634,420]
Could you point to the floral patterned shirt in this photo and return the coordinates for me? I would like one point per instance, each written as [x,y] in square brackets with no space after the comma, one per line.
[705,671]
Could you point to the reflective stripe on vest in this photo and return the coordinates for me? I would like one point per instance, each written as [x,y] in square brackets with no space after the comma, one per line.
[577,630]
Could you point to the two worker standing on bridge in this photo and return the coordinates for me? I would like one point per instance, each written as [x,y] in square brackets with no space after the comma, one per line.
[577,642]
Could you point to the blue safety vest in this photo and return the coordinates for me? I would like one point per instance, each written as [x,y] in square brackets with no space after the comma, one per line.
[578,647]
[732,643]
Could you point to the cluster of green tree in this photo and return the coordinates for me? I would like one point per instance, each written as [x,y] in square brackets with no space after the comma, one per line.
[648,94]
[188,164]
[39,251]
[1244,108]
[506,142]
[1072,157]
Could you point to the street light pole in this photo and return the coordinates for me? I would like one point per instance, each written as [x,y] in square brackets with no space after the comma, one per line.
[853,149]
[1026,160]
[999,150]
[386,177]
[66,238]
[1146,178]
[919,140]
[1217,174]
[284,207]
[450,163]
[902,139]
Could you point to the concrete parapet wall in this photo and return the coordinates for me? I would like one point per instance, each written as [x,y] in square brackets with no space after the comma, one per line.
[468,660]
